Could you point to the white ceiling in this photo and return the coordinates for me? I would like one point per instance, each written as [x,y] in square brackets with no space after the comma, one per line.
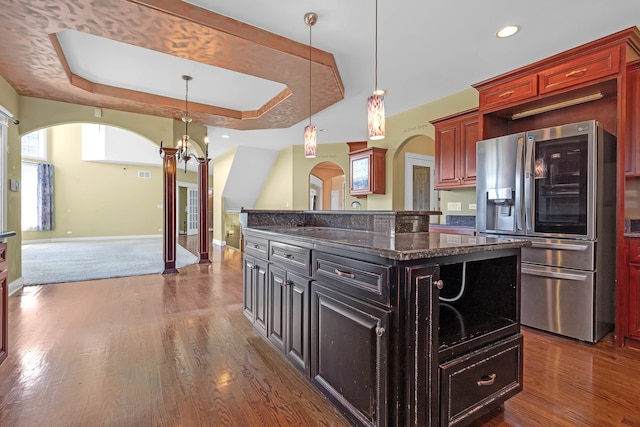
[427,49]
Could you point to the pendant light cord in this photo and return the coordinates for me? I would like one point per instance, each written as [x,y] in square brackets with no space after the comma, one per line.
[310,92]
[186,108]
[376,43]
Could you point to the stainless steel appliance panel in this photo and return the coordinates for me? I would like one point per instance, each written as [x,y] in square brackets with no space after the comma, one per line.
[579,254]
[499,185]
[558,300]
[561,169]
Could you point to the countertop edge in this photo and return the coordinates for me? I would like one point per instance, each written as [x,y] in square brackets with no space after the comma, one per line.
[402,255]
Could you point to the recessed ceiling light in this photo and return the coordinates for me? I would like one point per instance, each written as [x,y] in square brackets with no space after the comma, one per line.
[225,136]
[507,31]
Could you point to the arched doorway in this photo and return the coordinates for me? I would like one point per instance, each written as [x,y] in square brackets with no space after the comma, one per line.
[326,187]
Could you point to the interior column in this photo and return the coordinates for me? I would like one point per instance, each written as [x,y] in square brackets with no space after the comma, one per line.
[203,218]
[169,229]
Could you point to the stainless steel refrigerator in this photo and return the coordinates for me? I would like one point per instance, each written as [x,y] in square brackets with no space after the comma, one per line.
[557,188]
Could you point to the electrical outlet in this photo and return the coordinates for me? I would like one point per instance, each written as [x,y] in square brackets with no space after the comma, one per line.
[472,206]
[454,206]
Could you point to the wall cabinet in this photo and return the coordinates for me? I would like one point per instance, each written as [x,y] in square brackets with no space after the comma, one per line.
[455,147]
[632,153]
[367,171]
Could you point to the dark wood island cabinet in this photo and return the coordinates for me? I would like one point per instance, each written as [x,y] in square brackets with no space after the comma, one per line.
[396,328]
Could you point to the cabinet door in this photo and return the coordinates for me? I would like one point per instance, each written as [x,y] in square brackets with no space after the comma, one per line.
[277,286]
[634,301]
[447,150]
[248,292]
[470,135]
[261,296]
[349,354]
[297,325]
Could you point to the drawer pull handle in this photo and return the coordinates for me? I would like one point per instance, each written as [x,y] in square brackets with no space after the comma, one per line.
[576,73]
[288,283]
[487,380]
[506,94]
[288,256]
[345,274]
[380,331]
[255,246]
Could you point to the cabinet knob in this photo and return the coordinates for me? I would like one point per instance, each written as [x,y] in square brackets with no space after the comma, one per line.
[439,284]
[288,283]
[380,331]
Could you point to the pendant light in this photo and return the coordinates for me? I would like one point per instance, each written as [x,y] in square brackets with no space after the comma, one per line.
[183,144]
[375,104]
[310,132]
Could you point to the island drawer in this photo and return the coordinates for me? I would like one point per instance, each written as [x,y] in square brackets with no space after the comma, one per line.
[294,258]
[353,277]
[256,246]
[476,383]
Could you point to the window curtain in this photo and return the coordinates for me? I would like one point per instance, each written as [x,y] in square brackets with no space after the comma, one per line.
[45,197]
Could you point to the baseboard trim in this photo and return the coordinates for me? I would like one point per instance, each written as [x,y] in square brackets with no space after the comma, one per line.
[217,242]
[15,286]
[95,238]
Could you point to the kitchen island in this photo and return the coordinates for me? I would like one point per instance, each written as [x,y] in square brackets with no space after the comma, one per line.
[395,328]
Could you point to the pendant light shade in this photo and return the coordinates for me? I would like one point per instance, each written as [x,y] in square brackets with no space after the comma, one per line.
[310,137]
[375,104]
[310,133]
[375,114]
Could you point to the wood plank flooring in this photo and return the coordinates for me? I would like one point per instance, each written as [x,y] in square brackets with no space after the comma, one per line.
[177,351]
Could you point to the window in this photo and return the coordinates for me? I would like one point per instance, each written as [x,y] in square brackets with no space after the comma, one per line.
[34,152]
[34,145]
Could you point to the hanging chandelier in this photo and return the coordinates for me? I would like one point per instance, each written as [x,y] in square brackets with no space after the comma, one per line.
[310,132]
[375,104]
[183,144]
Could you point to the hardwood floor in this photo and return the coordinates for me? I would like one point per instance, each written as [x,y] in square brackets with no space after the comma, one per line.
[177,351]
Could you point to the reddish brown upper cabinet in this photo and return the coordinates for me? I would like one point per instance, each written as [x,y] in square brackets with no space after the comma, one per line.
[367,167]
[455,147]
[632,148]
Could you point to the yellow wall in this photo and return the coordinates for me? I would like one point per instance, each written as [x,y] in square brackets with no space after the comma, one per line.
[97,199]
[419,144]
[221,167]
[277,190]
[10,100]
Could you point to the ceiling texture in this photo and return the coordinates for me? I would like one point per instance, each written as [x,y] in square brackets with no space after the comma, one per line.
[250,59]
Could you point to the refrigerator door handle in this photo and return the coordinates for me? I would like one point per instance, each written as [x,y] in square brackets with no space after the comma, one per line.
[554,274]
[528,194]
[519,207]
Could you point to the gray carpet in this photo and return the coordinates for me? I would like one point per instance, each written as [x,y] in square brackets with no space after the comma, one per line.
[44,263]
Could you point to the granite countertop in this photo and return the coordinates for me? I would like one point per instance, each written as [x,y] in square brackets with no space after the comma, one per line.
[399,246]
